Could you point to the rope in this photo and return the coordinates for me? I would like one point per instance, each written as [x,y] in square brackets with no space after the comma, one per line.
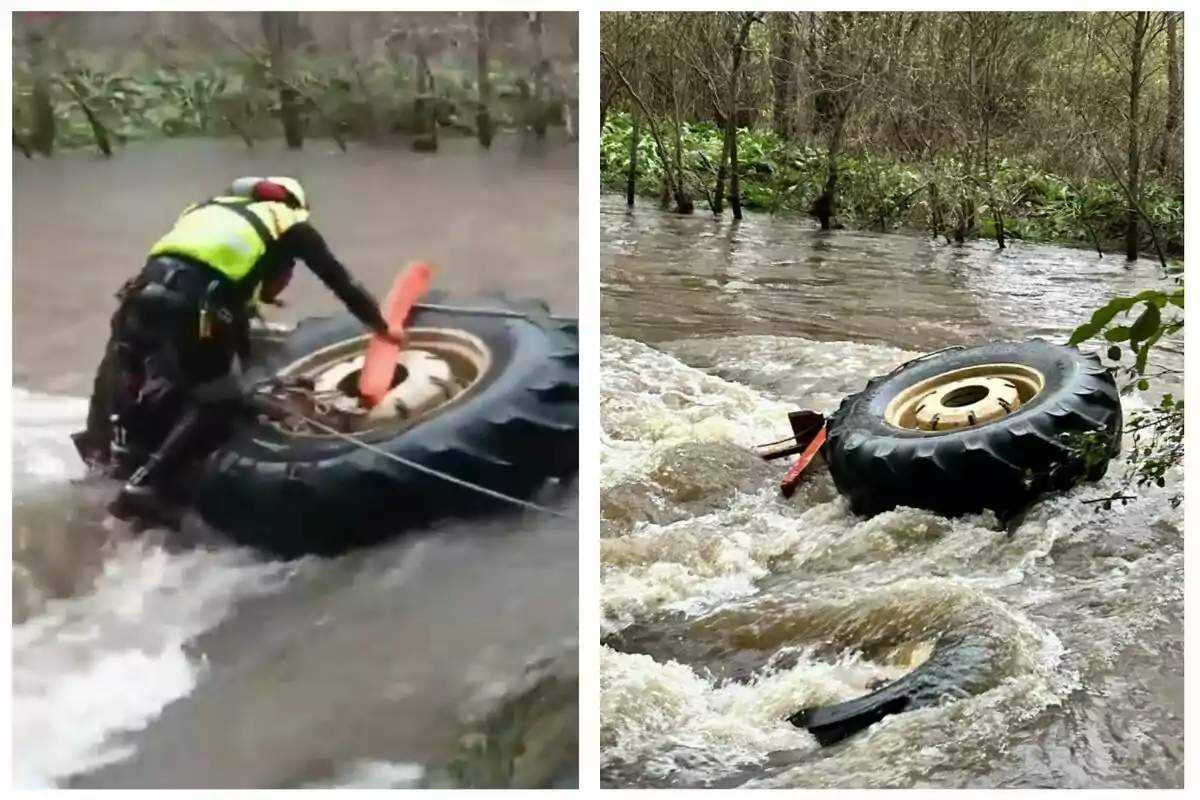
[491,312]
[462,310]
[436,473]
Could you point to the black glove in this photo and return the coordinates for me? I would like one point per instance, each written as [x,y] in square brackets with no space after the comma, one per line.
[140,505]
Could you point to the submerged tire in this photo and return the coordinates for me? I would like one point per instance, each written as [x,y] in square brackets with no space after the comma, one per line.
[511,432]
[1013,402]
[958,667]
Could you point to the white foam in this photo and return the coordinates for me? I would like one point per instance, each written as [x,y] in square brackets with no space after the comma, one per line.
[42,448]
[684,725]
[673,722]
[374,775]
[90,667]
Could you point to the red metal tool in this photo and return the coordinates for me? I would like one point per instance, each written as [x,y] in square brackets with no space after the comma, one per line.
[379,367]
[808,434]
[791,481]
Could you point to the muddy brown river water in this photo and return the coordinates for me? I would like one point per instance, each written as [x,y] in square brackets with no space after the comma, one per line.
[137,666]
[726,608]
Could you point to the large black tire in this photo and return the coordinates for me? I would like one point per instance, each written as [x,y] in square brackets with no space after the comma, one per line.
[1002,465]
[958,667]
[516,429]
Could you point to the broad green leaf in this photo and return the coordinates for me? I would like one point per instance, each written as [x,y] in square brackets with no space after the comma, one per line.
[1143,354]
[1120,333]
[1100,318]
[1149,322]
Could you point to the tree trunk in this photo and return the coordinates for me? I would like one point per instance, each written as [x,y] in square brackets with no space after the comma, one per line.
[424,105]
[831,108]
[1137,53]
[683,201]
[631,181]
[824,102]
[45,127]
[483,77]
[782,74]
[718,201]
[571,103]
[606,98]
[935,210]
[539,107]
[812,57]
[823,206]
[728,124]
[280,29]
[1174,94]
[738,45]
[670,183]
[735,190]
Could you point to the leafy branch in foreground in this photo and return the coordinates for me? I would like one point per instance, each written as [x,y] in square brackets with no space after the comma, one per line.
[1157,432]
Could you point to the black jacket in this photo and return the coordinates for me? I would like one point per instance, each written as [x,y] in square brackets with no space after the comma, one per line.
[303,242]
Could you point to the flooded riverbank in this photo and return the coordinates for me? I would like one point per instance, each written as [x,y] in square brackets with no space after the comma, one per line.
[135,666]
[726,608]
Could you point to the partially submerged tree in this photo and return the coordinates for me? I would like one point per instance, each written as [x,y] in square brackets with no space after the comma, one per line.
[848,54]
[281,30]
[991,59]
[265,74]
[43,131]
[646,94]
[483,80]
[738,26]
[1008,125]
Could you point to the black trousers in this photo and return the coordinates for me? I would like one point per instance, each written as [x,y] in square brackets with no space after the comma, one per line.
[171,336]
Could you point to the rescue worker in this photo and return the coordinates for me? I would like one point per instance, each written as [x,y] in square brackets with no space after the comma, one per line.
[183,318]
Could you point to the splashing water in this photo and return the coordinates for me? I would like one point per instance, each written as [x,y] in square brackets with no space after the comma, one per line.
[725,608]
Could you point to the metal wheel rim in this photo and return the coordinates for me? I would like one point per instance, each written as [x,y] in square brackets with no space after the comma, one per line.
[963,398]
[468,356]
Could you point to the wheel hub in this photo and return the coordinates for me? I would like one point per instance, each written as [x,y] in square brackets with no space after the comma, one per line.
[435,369]
[422,382]
[964,398]
[968,402]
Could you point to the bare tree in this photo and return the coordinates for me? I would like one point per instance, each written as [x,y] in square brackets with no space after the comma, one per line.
[1137,63]
[743,21]
[845,54]
[280,30]
[783,72]
[483,73]
[967,101]
[634,141]
[673,182]
[45,127]
[994,77]
[538,108]
[621,33]
[1174,120]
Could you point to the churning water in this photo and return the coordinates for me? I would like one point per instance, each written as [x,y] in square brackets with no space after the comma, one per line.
[726,608]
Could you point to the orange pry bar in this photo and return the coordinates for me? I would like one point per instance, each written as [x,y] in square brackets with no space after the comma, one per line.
[792,479]
[379,367]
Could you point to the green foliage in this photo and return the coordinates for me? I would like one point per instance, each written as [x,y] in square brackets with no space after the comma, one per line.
[1143,333]
[883,194]
[1157,433]
[237,97]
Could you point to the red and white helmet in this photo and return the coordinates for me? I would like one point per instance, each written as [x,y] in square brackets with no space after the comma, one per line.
[271,190]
